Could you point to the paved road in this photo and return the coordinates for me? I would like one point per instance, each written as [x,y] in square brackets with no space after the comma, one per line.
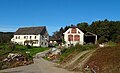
[40,66]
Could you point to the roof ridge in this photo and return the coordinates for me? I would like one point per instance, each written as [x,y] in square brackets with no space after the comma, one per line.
[32,26]
[31,30]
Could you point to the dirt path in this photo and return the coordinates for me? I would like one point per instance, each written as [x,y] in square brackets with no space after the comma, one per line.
[40,66]
[73,60]
[78,61]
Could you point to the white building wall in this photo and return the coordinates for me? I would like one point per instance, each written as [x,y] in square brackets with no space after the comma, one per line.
[73,42]
[22,38]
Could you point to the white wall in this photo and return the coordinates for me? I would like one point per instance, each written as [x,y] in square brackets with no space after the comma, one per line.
[73,42]
[21,40]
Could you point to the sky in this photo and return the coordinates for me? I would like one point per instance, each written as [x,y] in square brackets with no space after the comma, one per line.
[55,14]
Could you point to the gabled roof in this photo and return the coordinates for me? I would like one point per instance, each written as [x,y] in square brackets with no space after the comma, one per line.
[85,32]
[52,38]
[89,34]
[78,28]
[31,31]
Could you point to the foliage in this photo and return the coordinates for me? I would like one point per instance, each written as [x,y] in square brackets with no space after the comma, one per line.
[5,49]
[75,49]
[110,43]
[105,30]
[5,37]
[32,50]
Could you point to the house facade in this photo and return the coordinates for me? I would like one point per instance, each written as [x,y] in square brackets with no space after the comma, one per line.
[74,35]
[34,36]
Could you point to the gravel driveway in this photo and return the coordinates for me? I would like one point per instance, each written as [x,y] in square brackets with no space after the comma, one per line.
[40,66]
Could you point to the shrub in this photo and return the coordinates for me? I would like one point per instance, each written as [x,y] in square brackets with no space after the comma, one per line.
[1,63]
[110,43]
[28,46]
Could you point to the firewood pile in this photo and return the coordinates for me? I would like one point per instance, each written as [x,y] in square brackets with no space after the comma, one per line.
[14,60]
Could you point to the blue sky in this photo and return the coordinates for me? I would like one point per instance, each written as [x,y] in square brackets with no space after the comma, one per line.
[55,13]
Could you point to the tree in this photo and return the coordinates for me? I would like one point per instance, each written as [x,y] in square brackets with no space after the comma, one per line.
[83,26]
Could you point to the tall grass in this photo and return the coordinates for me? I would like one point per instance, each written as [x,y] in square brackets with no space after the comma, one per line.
[75,49]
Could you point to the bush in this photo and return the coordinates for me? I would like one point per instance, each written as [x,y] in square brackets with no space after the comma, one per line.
[1,63]
[28,46]
[84,47]
[110,43]
[75,49]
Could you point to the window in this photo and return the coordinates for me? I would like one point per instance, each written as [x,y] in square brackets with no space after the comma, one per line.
[25,37]
[30,37]
[73,30]
[76,38]
[45,43]
[42,37]
[42,43]
[68,44]
[35,37]
[68,32]
[16,37]
[36,42]
[70,37]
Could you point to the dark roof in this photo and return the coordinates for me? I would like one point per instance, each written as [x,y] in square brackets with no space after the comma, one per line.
[89,34]
[31,31]
[52,38]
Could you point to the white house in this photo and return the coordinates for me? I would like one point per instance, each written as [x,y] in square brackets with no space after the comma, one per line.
[75,35]
[34,36]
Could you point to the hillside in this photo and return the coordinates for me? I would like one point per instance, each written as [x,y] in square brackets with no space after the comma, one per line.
[105,60]
[5,37]
[73,58]
[99,60]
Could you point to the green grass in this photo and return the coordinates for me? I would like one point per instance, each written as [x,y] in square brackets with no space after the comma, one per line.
[78,48]
[110,43]
[32,50]
[6,49]
[71,51]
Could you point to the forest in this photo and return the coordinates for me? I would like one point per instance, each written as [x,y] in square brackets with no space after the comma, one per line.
[5,37]
[106,30]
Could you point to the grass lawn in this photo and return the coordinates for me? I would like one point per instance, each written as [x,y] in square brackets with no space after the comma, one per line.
[5,49]
[32,50]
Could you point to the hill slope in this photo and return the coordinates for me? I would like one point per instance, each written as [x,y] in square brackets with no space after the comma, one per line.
[105,60]
[5,37]
[99,60]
